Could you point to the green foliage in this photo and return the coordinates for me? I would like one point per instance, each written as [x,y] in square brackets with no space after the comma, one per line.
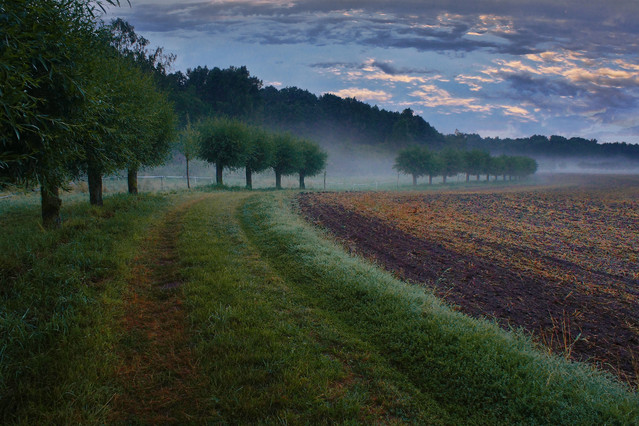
[223,142]
[44,51]
[475,161]
[419,161]
[313,158]
[260,150]
[287,156]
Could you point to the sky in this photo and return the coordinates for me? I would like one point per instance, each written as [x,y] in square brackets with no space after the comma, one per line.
[507,68]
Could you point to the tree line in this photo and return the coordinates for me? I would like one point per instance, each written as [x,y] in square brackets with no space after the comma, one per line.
[232,144]
[201,91]
[77,98]
[419,161]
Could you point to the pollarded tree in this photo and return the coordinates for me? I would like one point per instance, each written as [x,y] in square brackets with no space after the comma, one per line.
[452,162]
[287,157]
[496,166]
[313,160]
[475,162]
[259,153]
[44,100]
[433,166]
[223,142]
[413,161]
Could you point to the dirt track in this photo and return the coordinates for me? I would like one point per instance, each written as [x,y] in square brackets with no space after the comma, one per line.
[589,325]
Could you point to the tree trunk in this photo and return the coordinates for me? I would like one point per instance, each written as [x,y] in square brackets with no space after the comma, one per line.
[132,179]
[188,178]
[487,177]
[430,179]
[219,168]
[477,178]
[302,186]
[414,180]
[444,178]
[249,178]
[467,177]
[95,186]
[51,203]
[278,180]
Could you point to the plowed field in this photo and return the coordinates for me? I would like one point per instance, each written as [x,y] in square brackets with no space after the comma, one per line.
[559,262]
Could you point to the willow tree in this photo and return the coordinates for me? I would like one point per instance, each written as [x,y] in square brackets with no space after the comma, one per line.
[155,135]
[413,161]
[313,160]
[223,142]
[259,153]
[287,157]
[44,96]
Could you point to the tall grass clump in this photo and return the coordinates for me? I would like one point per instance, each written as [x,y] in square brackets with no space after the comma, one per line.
[475,371]
[60,295]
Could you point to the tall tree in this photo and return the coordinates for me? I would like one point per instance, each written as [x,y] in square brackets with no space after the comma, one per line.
[154,141]
[313,160]
[287,157]
[44,49]
[223,142]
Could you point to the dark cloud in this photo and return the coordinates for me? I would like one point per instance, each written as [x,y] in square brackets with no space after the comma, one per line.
[598,27]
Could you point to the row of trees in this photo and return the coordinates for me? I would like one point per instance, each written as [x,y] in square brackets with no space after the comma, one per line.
[231,144]
[420,161]
[235,92]
[75,100]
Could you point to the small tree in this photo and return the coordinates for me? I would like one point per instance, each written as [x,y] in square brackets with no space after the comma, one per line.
[475,162]
[223,142]
[287,157]
[189,146]
[259,154]
[313,160]
[452,162]
[496,166]
[413,161]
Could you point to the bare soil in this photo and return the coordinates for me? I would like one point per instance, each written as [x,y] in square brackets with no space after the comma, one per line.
[579,322]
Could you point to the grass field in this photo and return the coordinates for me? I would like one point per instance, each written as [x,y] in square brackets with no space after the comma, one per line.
[226,307]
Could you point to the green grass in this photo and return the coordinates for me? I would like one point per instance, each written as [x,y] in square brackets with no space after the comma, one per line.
[474,371]
[286,327]
[60,295]
[268,354]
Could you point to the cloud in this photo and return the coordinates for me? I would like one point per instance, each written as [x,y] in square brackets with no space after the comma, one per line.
[364,94]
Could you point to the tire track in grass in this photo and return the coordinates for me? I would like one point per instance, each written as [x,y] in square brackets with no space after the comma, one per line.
[158,376]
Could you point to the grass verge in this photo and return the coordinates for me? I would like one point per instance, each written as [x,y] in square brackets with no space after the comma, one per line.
[268,353]
[60,296]
[473,371]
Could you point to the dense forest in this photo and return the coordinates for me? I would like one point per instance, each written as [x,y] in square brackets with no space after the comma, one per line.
[329,119]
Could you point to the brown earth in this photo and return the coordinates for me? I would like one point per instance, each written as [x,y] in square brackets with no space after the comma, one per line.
[582,323]
[158,377]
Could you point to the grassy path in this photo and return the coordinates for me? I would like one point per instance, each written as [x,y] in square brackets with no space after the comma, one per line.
[159,377]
